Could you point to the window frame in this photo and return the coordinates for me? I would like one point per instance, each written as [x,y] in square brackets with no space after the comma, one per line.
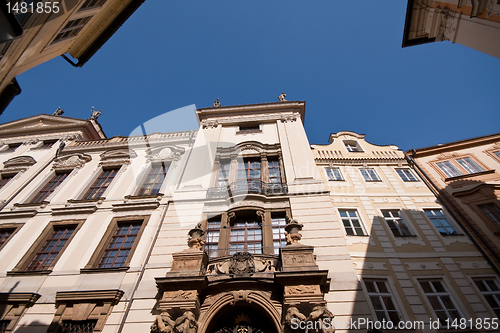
[380,295]
[352,146]
[491,216]
[339,178]
[6,175]
[397,223]
[78,28]
[371,180]
[494,293]
[166,167]
[446,217]
[362,226]
[460,170]
[407,180]
[45,183]
[439,295]
[228,217]
[9,226]
[22,265]
[84,193]
[95,259]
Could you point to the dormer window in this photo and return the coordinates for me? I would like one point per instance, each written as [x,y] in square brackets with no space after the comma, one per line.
[352,146]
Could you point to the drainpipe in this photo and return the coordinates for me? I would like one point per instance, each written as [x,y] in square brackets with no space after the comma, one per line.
[447,203]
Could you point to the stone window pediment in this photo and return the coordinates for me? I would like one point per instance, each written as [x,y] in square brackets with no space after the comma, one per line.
[73,161]
[117,157]
[19,163]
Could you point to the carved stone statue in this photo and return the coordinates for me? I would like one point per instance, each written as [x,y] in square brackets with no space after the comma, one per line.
[242,263]
[292,313]
[282,97]
[95,114]
[318,313]
[163,324]
[58,112]
[186,323]
[216,103]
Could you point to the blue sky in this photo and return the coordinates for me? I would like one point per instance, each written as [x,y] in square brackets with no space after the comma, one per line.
[343,58]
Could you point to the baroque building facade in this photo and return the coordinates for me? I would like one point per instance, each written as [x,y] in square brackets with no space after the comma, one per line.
[472,23]
[239,226]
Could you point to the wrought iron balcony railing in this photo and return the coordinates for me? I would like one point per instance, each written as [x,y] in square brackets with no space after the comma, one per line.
[247,186]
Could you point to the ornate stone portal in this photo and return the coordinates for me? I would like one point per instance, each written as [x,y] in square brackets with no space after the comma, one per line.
[221,295]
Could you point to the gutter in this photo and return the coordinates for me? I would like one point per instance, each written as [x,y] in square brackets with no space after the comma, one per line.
[447,203]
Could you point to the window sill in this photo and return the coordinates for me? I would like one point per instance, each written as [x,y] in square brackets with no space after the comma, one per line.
[406,236]
[149,196]
[104,270]
[248,132]
[27,205]
[43,272]
[451,179]
[451,234]
[77,201]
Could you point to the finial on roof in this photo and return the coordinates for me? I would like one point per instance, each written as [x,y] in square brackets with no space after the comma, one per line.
[95,114]
[216,103]
[58,112]
[282,97]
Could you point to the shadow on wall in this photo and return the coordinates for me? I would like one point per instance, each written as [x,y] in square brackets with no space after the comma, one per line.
[33,327]
[484,227]
[398,268]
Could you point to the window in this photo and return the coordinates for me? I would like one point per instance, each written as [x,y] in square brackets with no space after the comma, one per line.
[491,292]
[406,175]
[440,222]
[497,153]
[49,188]
[250,128]
[48,248]
[369,175]
[274,171]
[246,235]
[52,246]
[469,165]
[101,183]
[12,147]
[460,166]
[213,235]
[47,144]
[83,311]
[352,223]
[5,179]
[449,169]
[334,174]
[396,223]
[71,29]
[78,326]
[14,306]
[249,169]
[352,146]
[121,243]
[5,234]
[440,300]
[278,221]
[92,4]
[154,180]
[492,212]
[223,176]
[381,300]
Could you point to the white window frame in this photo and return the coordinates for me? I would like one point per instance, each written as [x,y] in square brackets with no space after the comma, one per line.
[95,174]
[352,146]
[495,294]
[382,294]
[406,175]
[331,169]
[350,220]
[447,292]
[371,177]
[446,217]
[397,220]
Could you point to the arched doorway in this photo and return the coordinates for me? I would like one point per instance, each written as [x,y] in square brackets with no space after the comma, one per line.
[241,318]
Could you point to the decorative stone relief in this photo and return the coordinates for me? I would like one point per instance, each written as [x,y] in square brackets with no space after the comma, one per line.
[164,154]
[185,323]
[209,123]
[288,118]
[18,164]
[242,264]
[76,161]
[302,289]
